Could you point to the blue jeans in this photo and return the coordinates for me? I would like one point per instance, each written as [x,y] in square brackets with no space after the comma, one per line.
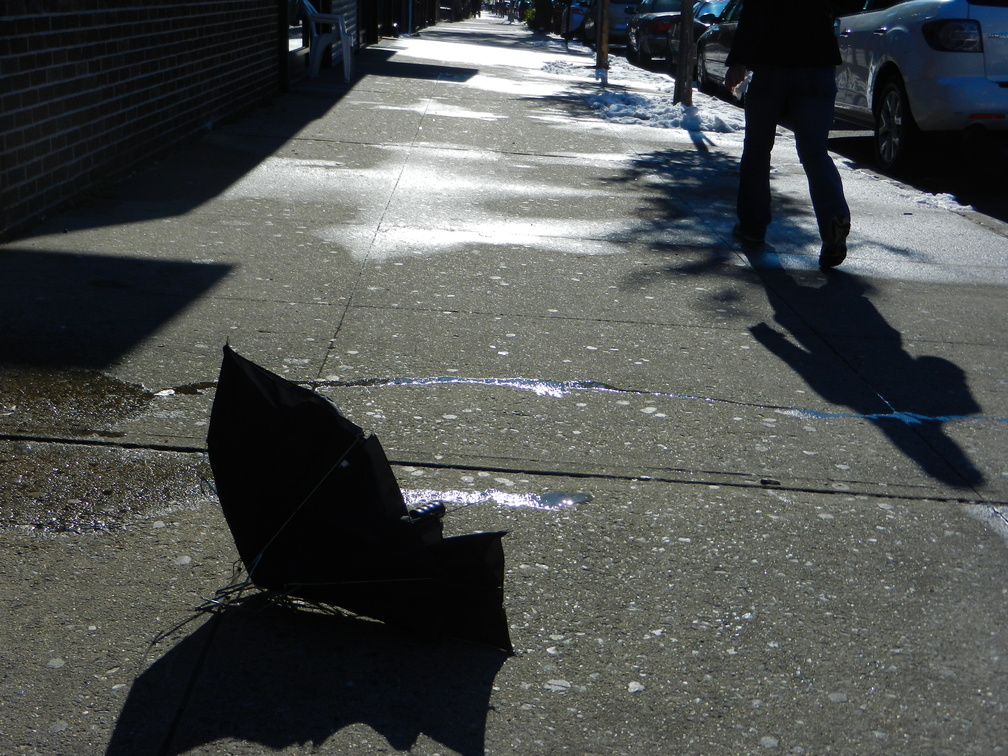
[804,98]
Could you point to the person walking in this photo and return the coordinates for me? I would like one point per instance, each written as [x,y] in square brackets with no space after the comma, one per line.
[793,58]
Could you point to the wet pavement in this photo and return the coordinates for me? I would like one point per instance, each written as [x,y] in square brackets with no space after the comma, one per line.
[751,507]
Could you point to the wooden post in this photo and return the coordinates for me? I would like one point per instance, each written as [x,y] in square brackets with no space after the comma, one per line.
[602,42]
[687,54]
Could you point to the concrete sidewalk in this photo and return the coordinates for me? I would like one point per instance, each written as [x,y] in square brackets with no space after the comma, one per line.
[796,540]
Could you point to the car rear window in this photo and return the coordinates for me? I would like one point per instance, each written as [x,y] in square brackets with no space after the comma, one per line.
[990,3]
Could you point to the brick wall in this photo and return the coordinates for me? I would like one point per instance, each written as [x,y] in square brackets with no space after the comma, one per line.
[89,88]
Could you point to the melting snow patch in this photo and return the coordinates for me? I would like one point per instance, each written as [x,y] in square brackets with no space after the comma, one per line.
[994,517]
[650,102]
[658,111]
[940,201]
[549,502]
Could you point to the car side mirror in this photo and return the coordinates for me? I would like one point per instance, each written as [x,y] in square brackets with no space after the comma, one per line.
[707,18]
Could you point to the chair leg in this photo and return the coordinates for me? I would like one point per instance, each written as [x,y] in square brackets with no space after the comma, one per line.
[348,67]
[314,60]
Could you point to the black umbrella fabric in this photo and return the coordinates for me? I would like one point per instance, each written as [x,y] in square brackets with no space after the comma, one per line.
[316,513]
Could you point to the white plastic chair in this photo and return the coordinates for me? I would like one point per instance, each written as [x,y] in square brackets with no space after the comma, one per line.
[319,40]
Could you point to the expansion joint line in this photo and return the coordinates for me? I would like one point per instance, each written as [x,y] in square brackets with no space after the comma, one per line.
[998,507]
[374,236]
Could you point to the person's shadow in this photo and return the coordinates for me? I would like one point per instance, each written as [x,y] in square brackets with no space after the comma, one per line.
[277,677]
[908,398]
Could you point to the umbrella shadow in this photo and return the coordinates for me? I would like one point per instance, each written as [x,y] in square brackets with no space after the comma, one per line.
[910,399]
[274,676]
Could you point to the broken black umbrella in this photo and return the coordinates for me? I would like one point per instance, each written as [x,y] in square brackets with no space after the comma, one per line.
[316,513]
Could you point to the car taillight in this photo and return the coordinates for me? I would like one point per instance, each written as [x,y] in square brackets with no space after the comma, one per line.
[953,35]
[662,26]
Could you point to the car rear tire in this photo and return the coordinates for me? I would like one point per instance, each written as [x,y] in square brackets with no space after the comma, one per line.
[704,84]
[671,56]
[643,56]
[895,130]
[631,52]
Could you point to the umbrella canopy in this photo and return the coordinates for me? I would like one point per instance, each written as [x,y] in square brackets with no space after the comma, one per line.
[316,513]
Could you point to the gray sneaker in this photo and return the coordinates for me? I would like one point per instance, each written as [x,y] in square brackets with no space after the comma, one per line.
[834,246]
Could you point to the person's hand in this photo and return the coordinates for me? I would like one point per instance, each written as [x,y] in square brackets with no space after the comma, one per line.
[736,73]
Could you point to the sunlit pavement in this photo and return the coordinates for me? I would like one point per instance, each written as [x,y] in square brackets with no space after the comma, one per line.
[795,540]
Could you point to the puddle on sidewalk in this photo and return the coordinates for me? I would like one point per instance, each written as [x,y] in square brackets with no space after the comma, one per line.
[72,402]
[57,488]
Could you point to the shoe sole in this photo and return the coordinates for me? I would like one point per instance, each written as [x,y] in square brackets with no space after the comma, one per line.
[834,251]
[745,239]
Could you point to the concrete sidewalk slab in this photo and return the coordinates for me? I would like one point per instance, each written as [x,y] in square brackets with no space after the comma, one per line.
[797,536]
[656,618]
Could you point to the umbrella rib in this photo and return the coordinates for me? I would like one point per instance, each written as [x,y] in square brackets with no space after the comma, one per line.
[337,463]
[360,582]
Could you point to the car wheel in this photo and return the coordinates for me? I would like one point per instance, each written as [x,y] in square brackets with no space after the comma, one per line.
[670,49]
[703,80]
[895,130]
[643,56]
[670,61]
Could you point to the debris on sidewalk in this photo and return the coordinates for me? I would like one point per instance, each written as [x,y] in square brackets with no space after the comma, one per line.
[316,514]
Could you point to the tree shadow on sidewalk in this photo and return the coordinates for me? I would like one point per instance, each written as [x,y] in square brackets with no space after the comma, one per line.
[910,399]
[277,677]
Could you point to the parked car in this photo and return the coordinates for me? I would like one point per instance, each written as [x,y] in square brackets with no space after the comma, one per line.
[705,13]
[713,47]
[572,18]
[647,29]
[923,66]
[620,12]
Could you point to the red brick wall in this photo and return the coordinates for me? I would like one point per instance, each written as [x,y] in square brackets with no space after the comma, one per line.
[88,88]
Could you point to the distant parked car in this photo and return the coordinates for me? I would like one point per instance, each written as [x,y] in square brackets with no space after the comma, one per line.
[923,66]
[705,13]
[647,29]
[620,12]
[713,47]
[572,18]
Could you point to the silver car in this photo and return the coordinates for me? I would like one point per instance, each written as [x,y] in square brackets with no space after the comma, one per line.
[912,66]
[619,16]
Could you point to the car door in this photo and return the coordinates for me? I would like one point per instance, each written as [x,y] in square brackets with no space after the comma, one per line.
[719,41]
[861,38]
[634,28]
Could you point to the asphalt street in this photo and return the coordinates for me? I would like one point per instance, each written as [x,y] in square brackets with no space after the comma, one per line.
[791,486]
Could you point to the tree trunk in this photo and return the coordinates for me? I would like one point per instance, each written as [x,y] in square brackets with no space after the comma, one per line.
[602,32]
[687,53]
